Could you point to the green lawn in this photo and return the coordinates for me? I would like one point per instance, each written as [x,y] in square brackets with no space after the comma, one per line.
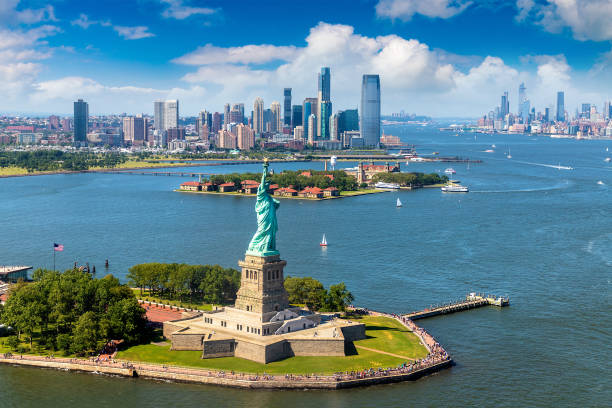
[383,334]
[360,192]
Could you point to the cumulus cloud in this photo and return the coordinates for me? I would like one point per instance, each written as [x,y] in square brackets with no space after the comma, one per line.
[587,19]
[133,33]
[178,10]
[405,9]
[10,14]
[248,54]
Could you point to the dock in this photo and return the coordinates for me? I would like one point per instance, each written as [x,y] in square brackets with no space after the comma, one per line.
[471,301]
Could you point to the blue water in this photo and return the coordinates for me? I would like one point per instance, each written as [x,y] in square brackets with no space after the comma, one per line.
[541,235]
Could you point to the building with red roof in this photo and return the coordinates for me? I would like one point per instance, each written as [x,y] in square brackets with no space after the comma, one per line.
[306,174]
[227,187]
[285,192]
[331,192]
[191,186]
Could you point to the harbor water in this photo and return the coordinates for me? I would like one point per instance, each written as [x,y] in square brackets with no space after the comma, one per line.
[539,234]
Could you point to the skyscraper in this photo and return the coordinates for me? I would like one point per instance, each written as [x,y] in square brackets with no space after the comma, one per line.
[325,113]
[166,114]
[226,114]
[309,107]
[258,119]
[216,122]
[276,121]
[523,103]
[81,117]
[134,130]
[236,114]
[287,107]
[348,120]
[586,111]
[312,128]
[296,116]
[323,96]
[369,118]
[504,108]
[560,106]
[333,127]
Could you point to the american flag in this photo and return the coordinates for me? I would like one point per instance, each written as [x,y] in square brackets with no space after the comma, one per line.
[58,247]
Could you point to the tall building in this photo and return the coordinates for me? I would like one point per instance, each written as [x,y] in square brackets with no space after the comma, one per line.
[204,124]
[134,130]
[369,117]
[586,111]
[547,115]
[298,132]
[325,112]
[296,116]
[81,117]
[333,128]
[312,128]
[226,140]
[309,107]
[275,120]
[348,120]
[245,137]
[236,114]
[607,109]
[287,107]
[226,114]
[523,103]
[216,122]
[54,122]
[258,116]
[166,114]
[560,106]
[504,108]
[323,96]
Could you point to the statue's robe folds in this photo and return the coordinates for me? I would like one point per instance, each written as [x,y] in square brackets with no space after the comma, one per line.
[264,240]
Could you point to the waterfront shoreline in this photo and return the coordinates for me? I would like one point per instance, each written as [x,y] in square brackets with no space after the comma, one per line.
[436,360]
[105,170]
[234,194]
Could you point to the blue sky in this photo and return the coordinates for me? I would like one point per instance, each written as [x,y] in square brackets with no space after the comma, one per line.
[436,57]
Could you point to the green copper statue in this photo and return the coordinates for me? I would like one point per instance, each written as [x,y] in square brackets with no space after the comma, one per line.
[264,240]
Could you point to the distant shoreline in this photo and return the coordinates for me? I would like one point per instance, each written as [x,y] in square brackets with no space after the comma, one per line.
[105,170]
[235,194]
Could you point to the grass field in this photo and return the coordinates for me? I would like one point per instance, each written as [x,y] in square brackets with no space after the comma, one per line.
[360,192]
[130,164]
[384,334]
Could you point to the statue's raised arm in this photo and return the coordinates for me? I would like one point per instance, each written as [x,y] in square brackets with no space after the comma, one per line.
[263,242]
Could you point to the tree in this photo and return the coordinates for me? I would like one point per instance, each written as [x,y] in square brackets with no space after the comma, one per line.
[86,333]
[338,297]
[306,291]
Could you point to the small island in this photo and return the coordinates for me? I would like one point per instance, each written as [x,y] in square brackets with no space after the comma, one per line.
[315,184]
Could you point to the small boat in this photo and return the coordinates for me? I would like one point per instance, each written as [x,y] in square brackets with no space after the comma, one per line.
[607,160]
[451,187]
[489,151]
[436,153]
[383,185]
[450,170]
[323,242]
[399,203]
[601,183]
[509,155]
[493,146]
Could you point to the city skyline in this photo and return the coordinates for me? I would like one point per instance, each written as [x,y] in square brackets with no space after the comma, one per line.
[122,55]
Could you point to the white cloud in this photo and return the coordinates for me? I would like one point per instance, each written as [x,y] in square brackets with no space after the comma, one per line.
[133,33]
[129,33]
[405,9]
[177,10]
[10,14]
[587,19]
[248,54]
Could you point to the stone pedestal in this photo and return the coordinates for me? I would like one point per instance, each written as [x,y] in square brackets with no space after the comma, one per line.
[262,289]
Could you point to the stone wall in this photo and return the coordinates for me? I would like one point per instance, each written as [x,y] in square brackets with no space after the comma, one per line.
[353,333]
[186,341]
[317,347]
[218,348]
[251,351]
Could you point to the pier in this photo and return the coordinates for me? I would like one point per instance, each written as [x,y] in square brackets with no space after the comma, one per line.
[471,301]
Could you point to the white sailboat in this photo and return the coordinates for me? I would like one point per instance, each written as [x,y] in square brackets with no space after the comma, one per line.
[323,241]
[509,155]
[399,203]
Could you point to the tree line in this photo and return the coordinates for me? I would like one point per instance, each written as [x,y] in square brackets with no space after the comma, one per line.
[207,283]
[341,180]
[410,179]
[310,292]
[54,160]
[73,312]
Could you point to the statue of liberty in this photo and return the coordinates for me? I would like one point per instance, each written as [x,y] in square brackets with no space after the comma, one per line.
[264,240]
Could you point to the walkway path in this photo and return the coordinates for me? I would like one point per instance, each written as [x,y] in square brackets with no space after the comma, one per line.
[385,352]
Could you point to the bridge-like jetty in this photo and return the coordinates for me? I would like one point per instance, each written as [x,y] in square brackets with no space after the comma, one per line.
[471,301]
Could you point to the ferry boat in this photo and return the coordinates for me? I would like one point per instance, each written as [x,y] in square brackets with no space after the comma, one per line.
[450,170]
[391,186]
[451,187]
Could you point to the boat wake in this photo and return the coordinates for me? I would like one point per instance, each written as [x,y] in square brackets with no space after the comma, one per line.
[601,247]
[526,190]
[552,166]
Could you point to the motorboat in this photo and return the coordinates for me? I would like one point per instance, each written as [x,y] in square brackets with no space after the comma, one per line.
[390,186]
